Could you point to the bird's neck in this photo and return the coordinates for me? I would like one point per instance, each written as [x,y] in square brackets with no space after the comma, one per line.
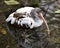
[38,22]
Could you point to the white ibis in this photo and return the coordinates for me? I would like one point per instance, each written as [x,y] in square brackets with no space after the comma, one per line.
[28,15]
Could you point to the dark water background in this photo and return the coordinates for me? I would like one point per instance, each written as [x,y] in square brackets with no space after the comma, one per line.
[12,36]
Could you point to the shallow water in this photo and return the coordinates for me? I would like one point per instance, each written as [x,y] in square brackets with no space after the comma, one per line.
[12,36]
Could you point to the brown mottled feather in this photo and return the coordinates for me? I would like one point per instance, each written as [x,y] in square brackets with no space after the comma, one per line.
[19,15]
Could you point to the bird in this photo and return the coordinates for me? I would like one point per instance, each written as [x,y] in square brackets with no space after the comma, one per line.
[30,16]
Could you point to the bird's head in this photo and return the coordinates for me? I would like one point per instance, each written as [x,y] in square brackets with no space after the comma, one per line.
[37,13]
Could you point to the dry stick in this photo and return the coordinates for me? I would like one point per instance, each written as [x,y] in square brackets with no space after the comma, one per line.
[41,16]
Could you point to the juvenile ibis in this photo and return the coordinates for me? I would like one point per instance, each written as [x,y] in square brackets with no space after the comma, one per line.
[29,16]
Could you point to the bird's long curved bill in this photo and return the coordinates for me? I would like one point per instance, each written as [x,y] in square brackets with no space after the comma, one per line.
[41,16]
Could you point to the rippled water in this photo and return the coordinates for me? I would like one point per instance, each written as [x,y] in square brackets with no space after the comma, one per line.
[17,37]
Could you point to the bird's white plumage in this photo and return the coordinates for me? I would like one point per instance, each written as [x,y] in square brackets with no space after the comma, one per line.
[24,9]
[11,18]
[27,20]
